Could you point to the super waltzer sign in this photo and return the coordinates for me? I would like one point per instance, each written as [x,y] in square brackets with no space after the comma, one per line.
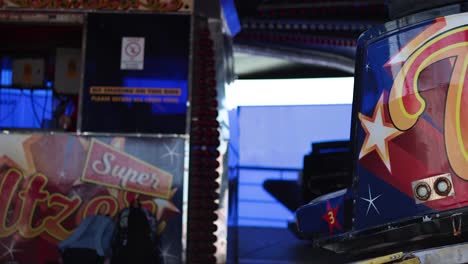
[35,203]
[109,167]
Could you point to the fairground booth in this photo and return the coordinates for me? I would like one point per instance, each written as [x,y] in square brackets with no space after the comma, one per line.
[106,101]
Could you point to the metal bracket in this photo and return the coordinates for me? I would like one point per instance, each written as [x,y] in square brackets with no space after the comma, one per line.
[457,230]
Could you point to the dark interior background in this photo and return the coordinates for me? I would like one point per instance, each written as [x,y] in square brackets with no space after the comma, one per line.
[302,39]
[305,38]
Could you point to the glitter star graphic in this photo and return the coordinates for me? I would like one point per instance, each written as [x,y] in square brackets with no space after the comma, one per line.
[167,256]
[62,174]
[331,217]
[371,201]
[367,67]
[171,152]
[378,134]
[10,250]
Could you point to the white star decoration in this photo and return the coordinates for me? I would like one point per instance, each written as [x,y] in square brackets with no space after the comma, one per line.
[371,201]
[164,205]
[12,146]
[378,134]
[118,143]
[171,152]
[10,250]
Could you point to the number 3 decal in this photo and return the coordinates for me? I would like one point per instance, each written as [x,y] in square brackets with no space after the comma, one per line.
[331,217]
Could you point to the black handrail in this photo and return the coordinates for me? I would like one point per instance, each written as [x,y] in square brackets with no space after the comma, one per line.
[265,168]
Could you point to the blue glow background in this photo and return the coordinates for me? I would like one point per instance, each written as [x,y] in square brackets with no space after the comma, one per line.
[277,137]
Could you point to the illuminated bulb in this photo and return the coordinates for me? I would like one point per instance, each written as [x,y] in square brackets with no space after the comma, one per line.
[422,191]
[442,186]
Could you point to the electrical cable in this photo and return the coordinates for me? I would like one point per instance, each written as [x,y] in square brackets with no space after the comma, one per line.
[44,108]
[8,115]
[34,108]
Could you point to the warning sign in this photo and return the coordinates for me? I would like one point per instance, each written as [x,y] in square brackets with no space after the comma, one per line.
[133,53]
